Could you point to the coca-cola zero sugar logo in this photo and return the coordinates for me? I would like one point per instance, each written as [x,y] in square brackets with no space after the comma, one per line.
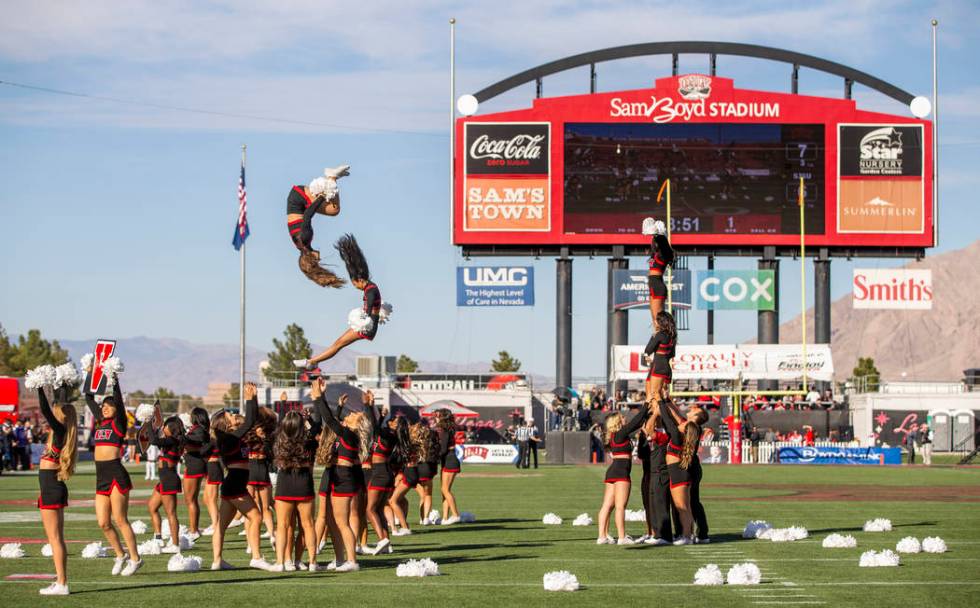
[507,148]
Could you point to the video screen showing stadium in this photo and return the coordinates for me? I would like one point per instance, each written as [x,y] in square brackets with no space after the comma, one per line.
[725,178]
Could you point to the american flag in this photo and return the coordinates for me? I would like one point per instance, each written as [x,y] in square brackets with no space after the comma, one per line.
[241,226]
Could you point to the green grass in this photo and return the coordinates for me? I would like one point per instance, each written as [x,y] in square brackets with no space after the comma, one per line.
[500,560]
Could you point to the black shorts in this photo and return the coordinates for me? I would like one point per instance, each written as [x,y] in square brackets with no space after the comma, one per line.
[347,481]
[619,470]
[111,474]
[54,493]
[410,476]
[427,471]
[658,289]
[169,481]
[195,467]
[678,477]
[451,464]
[382,479]
[294,485]
[258,473]
[235,484]
[660,369]
[216,474]
[326,482]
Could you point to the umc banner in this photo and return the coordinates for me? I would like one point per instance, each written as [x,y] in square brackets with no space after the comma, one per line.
[495,286]
[728,362]
[835,455]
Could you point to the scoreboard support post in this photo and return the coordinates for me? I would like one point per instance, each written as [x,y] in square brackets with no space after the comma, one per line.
[769,319]
[617,325]
[563,330]
[821,303]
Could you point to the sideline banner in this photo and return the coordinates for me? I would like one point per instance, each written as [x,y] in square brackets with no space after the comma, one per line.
[833,455]
[753,362]
[494,286]
[498,453]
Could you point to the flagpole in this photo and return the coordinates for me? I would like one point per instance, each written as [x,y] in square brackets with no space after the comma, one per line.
[241,333]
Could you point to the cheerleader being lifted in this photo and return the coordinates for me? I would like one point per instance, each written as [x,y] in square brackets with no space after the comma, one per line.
[363,322]
[303,202]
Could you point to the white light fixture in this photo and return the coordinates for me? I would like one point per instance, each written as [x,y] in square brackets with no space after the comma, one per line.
[467,105]
[920,106]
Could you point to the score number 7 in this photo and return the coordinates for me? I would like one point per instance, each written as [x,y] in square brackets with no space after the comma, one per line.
[802,148]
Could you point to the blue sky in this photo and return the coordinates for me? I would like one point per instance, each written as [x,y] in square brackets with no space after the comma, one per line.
[117,218]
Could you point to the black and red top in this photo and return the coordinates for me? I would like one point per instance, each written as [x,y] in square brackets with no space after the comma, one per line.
[109,431]
[197,442]
[675,438]
[619,443]
[301,231]
[52,453]
[348,441]
[662,346]
[372,308]
[229,444]
[663,255]
[170,449]
[385,439]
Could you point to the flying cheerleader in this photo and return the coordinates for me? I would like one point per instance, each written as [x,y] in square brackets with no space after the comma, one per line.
[363,322]
[303,202]
[661,256]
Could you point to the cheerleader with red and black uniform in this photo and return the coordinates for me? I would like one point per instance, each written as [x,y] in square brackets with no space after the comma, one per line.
[170,441]
[683,467]
[326,456]
[451,467]
[391,441]
[197,446]
[259,442]
[661,256]
[302,204]
[409,477]
[212,490]
[658,501]
[112,481]
[618,480]
[659,353]
[427,441]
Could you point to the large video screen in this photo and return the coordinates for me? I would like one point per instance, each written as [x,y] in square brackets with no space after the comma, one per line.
[732,178]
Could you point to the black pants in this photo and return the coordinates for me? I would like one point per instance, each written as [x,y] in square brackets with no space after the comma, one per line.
[911,449]
[522,454]
[697,509]
[534,452]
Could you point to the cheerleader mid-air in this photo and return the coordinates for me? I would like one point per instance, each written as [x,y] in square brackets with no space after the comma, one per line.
[303,202]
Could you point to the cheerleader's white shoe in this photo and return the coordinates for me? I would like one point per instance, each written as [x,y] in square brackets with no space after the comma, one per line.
[54,589]
[336,172]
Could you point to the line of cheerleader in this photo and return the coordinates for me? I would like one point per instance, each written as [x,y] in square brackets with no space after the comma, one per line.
[370,464]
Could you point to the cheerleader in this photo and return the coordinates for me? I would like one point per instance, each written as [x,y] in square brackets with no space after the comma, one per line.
[391,440]
[364,322]
[212,490]
[56,467]
[618,481]
[294,450]
[684,437]
[170,441]
[428,451]
[197,446]
[326,456]
[409,478]
[659,353]
[259,442]
[302,203]
[446,429]
[112,482]
[353,431]
[227,431]
[658,499]
[643,455]
[661,256]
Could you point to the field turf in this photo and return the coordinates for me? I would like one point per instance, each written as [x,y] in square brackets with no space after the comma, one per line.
[500,559]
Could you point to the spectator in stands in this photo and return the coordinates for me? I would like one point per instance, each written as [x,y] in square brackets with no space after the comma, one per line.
[808,439]
[925,442]
[596,453]
[910,442]
[556,413]
[584,419]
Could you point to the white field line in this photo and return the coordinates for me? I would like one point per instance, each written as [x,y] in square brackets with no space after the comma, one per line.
[335,581]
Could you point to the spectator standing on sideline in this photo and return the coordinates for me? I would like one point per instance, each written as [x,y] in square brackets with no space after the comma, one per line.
[532,441]
[152,453]
[595,441]
[523,434]
[4,447]
[925,442]
[21,446]
[910,443]
[754,442]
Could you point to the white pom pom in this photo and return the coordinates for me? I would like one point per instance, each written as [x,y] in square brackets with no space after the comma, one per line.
[165,529]
[551,519]
[35,378]
[782,535]
[324,186]
[582,520]
[47,551]
[144,413]
[755,527]
[11,551]
[150,547]
[638,515]
[186,419]
[434,517]
[385,312]
[180,563]
[359,321]
[878,525]
[884,559]
[562,580]
[933,544]
[909,544]
[86,362]
[418,567]
[467,518]
[744,574]
[138,526]
[709,575]
[66,375]
[186,542]
[112,367]
[95,550]
[839,541]
[659,228]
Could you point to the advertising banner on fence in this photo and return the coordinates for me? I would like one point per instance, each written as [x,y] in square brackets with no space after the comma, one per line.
[753,362]
[631,291]
[736,290]
[495,286]
[495,453]
[838,455]
[893,288]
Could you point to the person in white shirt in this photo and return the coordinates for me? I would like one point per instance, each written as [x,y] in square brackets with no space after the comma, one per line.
[152,453]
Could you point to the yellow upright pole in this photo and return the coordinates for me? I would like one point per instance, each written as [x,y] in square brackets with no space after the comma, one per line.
[670,287]
[803,277]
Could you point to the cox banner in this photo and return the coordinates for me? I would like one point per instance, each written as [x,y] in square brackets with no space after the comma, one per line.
[495,286]
[834,455]
[753,362]
[498,453]
[893,288]
[736,290]
[631,291]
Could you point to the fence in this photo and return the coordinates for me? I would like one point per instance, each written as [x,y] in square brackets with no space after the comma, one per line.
[765,452]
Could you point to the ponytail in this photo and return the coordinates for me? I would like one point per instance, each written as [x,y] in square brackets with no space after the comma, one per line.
[69,451]
[692,436]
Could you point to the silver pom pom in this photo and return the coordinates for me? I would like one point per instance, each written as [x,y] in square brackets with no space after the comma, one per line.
[39,377]
[87,362]
[385,313]
[66,375]
[112,367]
[327,187]
[359,321]
[144,412]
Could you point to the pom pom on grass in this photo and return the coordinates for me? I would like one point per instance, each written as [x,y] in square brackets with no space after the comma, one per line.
[872,559]
[839,541]
[909,544]
[878,525]
[709,575]
[180,563]
[417,568]
[744,574]
[550,519]
[11,551]
[582,520]
[95,550]
[755,527]
[933,544]
[562,580]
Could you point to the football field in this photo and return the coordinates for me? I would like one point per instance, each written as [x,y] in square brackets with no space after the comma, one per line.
[501,558]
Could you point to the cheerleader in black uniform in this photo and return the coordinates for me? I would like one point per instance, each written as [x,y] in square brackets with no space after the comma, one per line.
[304,202]
[227,431]
[363,324]
[446,429]
[295,448]
[391,440]
[661,256]
[56,467]
[259,442]
[212,490]
[326,456]
[658,501]
[618,481]
[170,440]
[197,445]
[408,479]
[348,478]
[427,441]
[643,455]
[684,437]
[112,482]
[659,353]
